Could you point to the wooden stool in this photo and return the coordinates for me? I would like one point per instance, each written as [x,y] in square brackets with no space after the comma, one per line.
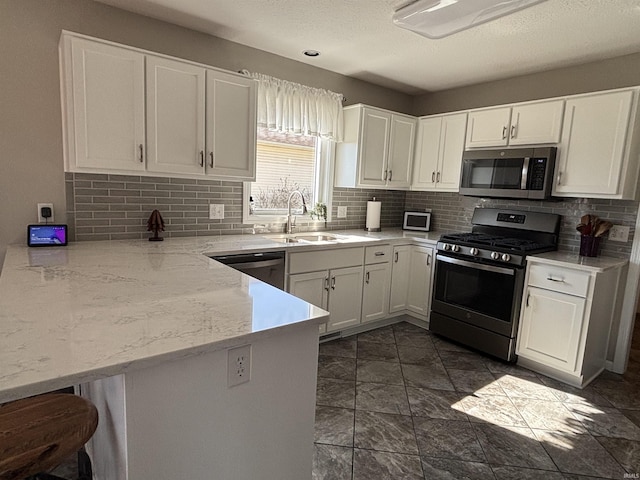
[38,433]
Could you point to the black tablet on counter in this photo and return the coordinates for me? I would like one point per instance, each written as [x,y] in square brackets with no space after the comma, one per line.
[47,235]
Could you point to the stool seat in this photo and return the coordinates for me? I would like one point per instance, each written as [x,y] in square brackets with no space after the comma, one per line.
[38,433]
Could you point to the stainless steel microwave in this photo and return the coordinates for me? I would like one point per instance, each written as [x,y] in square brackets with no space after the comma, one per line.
[419,221]
[509,173]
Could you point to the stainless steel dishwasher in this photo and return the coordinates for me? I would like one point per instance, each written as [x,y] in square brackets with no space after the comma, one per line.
[265,266]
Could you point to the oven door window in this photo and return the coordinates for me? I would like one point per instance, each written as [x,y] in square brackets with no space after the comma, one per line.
[482,288]
[499,173]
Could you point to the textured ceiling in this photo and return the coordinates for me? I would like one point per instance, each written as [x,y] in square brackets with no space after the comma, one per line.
[358,39]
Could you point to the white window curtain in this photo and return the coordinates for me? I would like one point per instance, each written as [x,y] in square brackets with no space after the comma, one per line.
[298,109]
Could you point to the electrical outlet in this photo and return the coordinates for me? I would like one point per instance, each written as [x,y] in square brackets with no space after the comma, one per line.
[41,219]
[238,365]
[619,233]
[216,211]
[342,212]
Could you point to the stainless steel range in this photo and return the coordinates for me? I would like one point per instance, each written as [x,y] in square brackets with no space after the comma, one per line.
[479,277]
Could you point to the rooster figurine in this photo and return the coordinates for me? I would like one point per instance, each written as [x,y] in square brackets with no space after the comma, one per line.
[155,224]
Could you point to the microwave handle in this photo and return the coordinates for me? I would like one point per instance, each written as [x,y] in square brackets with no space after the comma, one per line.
[525,173]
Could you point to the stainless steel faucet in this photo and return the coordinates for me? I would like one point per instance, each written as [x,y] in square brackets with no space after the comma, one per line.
[291,224]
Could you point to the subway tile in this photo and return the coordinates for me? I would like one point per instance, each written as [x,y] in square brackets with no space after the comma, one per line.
[155,179]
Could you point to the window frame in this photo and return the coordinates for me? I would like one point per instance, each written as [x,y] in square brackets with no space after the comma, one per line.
[325,161]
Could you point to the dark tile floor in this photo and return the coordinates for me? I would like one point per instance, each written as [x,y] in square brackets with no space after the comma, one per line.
[399,403]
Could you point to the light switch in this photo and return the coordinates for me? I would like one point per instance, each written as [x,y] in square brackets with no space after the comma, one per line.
[342,212]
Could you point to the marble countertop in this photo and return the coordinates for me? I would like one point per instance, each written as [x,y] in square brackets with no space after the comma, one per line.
[590,264]
[95,309]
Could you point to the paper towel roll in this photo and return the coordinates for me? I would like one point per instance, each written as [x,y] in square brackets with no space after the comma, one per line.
[373,215]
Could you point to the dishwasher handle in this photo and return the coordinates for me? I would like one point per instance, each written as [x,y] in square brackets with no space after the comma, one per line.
[256,264]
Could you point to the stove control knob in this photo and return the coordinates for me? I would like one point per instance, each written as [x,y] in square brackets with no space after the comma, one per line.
[446,247]
[455,248]
[495,255]
[506,257]
[474,251]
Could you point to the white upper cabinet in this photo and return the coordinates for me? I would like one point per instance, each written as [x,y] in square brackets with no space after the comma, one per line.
[175,113]
[105,118]
[401,149]
[520,124]
[377,151]
[598,153]
[231,126]
[439,149]
[180,119]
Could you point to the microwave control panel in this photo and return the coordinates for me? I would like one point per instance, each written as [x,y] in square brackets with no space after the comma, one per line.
[537,170]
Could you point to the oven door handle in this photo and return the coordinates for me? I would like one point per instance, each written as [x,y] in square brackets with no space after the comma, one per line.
[479,266]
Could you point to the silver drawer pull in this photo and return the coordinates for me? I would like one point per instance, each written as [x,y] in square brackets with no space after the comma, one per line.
[367,279]
[561,280]
[379,254]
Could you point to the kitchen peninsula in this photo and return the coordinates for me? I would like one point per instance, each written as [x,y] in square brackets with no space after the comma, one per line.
[146,329]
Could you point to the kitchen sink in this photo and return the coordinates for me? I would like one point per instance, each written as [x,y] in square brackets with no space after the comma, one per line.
[308,238]
[284,239]
[316,238]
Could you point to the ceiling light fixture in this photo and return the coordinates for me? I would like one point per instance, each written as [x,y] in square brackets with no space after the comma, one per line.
[439,18]
[311,53]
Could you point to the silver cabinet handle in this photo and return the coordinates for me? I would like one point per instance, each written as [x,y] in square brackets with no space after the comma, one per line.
[561,280]
[385,175]
[528,297]
[390,174]
[211,157]
[141,153]
[367,279]
[333,283]
[438,177]
[559,178]
[201,158]
[396,260]
[428,260]
[504,132]
[379,254]
[326,283]
[513,131]
[433,177]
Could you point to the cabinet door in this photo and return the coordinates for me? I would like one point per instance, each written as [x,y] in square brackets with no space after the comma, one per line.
[536,123]
[231,126]
[399,278]
[594,134]
[375,293]
[488,128]
[401,147]
[427,154]
[175,116]
[374,147]
[419,284]
[451,148]
[345,297]
[313,288]
[551,328]
[108,107]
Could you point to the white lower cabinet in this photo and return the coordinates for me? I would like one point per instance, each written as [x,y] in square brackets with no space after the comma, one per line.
[399,278]
[411,279]
[375,289]
[330,279]
[565,320]
[419,285]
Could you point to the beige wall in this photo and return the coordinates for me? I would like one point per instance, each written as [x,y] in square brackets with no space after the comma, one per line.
[614,73]
[31,163]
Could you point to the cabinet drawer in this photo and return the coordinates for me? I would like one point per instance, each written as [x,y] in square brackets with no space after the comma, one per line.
[325,259]
[565,280]
[377,254]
